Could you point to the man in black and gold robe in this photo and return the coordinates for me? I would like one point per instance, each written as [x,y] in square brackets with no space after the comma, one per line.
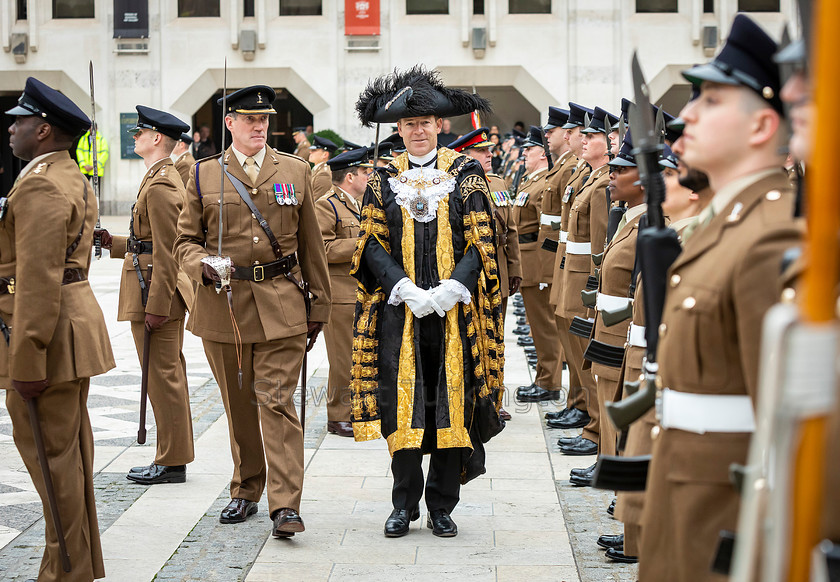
[427,352]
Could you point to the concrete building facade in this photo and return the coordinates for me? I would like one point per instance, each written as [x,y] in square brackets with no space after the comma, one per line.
[523,54]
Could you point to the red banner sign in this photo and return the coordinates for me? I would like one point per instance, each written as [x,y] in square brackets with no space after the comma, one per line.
[361,17]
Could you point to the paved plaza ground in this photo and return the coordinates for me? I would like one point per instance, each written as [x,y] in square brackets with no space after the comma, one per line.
[522,520]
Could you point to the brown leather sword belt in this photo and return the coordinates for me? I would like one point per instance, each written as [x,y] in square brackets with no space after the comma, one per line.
[270,270]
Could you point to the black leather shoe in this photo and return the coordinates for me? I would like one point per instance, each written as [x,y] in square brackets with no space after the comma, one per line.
[584,447]
[397,523]
[525,340]
[573,419]
[538,395]
[154,474]
[611,508]
[557,414]
[521,389]
[608,542]
[340,427]
[504,414]
[519,311]
[618,556]
[238,510]
[521,320]
[141,469]
[522,330]
[529,350]
[287,523]
[582,479]
[569,441]
[582,471]
[441,524]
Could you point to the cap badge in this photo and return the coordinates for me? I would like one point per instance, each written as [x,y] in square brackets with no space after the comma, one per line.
[259,98]
[768,93]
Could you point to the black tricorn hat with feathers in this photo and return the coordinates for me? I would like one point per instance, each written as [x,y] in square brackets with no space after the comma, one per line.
[414,93]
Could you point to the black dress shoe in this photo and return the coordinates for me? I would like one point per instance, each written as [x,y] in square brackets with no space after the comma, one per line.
[583,471]
[140,469]
[397,523]
[557,414]
[238,510]
[521,320]
[538,395]
[519,311]
[522,330]
[529,350]
[154,474]
[287,523]
[340,427]
[573,419]
[608,542]
[525,340]
[441,524]
[584,447]
[618,556]
[569,441]
[611,508]
[521,389]
[582,479]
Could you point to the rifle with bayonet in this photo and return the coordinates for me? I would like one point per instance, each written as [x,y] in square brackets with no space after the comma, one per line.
[546,149]
[657,248]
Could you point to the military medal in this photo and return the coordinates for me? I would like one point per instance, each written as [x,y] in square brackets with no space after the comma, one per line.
[285,194]
[521,199]
[567,194]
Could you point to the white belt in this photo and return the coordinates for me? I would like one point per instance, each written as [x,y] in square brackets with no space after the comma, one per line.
[564,235]
[702,413]
[636,336]
[576,248]
[606,302]
[547,219]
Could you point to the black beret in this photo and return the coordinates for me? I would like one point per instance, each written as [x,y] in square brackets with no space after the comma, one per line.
[52,106]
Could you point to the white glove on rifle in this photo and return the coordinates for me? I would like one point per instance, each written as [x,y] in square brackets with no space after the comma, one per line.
[449,292]
[419,301]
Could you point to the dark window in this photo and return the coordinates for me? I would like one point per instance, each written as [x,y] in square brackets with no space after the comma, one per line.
[529,7]
[72,8]
[644,6]
[21,9]
[427,6]
[248,8]
[478,6]
[194,8]
[758,5]
[300,8]
[709,6]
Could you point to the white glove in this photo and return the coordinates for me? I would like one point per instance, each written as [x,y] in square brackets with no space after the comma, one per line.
[419,301]
[449,293]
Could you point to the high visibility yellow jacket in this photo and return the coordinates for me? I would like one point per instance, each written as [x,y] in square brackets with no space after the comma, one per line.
[84,155]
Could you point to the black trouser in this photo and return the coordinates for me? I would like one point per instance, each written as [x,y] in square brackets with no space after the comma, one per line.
[443,483]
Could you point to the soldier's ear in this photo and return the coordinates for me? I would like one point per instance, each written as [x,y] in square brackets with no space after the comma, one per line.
[764,127]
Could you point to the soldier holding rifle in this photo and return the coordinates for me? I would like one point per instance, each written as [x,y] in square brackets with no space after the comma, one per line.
[58,338]
[255,332]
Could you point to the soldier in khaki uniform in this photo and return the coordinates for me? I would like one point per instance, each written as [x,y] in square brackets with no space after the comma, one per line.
[587,235]
[338,216]
[58,335]
[476,145]
[302,144]
[575,414]
[321,150]
[182,158]
[719,290]
[535,292]
[255,332]
[161,306]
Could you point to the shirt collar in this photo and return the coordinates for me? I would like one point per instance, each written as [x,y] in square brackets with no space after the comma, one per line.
[422,160]
[259,157]
[536,173]
[727,193]
[32,164]
[632,213]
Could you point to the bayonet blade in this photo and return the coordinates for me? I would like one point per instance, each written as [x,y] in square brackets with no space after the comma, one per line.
[659,126]
[622,131]
[644,114]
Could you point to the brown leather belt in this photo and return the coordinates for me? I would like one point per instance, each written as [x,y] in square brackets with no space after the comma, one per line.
[270,270]
[74,275]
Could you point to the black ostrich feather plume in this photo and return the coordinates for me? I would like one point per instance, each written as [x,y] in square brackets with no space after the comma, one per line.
[413,93]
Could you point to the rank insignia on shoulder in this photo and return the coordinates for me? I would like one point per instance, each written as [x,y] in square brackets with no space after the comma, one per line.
[285,194]
[40,167]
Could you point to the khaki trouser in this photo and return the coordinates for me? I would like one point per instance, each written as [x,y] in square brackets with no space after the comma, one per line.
[169,393]
[270,372]
[544,331]
[574,347]
[68,440]
[576,398]
[338,335]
